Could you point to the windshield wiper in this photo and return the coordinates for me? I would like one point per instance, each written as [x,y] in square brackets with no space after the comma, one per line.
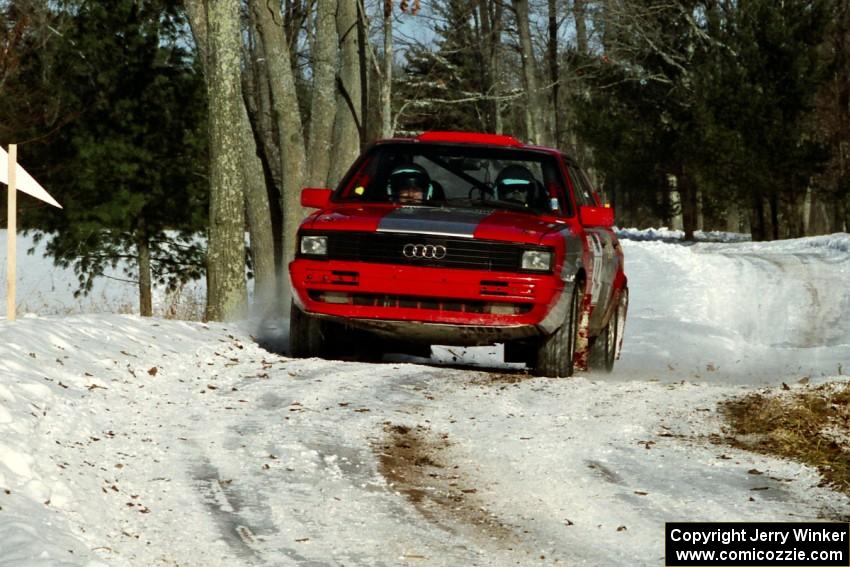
[497,204]
[490,204]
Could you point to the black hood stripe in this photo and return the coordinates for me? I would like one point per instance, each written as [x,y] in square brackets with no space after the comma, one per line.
[435,221]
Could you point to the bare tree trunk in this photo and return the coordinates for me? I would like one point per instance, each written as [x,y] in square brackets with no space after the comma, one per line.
[688,192]
[226,290]
[497,24]
[255,91]
[819,221]
[256,191]
[700,223]
[287,116]
[197,12]
[554,72]
[259,219]
[294,15]
[347,124]
[487,72]
[533,112]
[793,217]
[364,63]
[387,79]
[490,15]
[774,216]
[260,109]
[733,218]
[758,228]
[671,205]
[529,77]
[581,26]
[145,286]
[575,86]
[323,102]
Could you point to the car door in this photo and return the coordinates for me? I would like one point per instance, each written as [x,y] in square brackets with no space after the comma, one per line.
[602,261]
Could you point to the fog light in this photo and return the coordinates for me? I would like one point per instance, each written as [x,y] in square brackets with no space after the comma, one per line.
[335,297]
[501,309]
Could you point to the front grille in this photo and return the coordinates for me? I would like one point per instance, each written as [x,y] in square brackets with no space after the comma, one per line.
[461,253]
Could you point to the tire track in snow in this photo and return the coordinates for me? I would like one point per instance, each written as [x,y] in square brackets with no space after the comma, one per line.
[316,418]
[225,508]
[410,460]
[245,521]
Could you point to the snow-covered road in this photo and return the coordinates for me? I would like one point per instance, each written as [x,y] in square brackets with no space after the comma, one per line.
[126,441]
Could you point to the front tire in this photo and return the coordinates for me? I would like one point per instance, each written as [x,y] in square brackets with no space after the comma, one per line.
[305,334]
[555,353]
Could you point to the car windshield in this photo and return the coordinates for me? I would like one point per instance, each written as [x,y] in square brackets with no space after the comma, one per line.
[456,176]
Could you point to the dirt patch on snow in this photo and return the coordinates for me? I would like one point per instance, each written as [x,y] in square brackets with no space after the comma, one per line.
[501,378]
[412,461]
[811,425]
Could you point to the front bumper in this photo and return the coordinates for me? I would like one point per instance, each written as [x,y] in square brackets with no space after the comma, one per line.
[427,304]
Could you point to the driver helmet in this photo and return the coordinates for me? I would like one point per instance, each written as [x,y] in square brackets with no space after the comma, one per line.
[409,183]
[516,183]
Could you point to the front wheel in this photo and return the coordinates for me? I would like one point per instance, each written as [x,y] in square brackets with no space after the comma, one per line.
[305,334]
[555,353]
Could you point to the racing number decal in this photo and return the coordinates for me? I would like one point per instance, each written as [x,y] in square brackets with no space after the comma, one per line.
[594,244]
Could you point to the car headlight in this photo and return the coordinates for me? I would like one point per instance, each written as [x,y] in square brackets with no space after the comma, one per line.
[537,260]
[314,245]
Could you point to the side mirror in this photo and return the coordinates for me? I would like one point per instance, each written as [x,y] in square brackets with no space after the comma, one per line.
[596,216]
[314,198]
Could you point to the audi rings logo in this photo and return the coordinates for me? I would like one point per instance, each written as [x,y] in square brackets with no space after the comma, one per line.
[424,251]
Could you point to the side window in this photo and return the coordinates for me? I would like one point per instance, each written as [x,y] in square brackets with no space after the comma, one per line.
[556,190]
[584,195]
[356,183]
[593,194]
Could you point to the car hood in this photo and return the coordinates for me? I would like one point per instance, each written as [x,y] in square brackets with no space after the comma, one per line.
[482,223]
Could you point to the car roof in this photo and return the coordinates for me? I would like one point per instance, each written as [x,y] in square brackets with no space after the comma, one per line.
[471,138]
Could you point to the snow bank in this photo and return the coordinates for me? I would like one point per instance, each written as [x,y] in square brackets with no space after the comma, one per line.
[81,400]
[670,235]
[737,312]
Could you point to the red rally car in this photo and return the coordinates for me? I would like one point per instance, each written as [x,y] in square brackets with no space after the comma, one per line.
[462,239]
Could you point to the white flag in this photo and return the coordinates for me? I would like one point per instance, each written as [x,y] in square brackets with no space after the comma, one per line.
[24,181]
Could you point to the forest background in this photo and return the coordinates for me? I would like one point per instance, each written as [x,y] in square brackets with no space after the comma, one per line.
[156,121]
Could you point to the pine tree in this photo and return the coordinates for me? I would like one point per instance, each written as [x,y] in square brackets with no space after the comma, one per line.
[716,97]
[442,87]
[643,116]
[762,91]
[128,164]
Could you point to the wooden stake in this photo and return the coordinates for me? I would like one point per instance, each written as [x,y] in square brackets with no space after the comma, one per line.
[11,234]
